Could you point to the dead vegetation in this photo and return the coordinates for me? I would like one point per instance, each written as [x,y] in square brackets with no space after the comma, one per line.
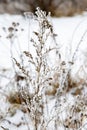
[38,82]
[57,7]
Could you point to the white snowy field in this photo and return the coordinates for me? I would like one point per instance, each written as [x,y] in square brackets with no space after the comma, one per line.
[70,30]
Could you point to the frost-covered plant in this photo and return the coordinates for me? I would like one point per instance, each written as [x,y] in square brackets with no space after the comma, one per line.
[36,74]
[77,114]
[41,73]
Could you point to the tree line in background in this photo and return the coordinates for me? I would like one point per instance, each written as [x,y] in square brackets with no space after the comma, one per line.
[56,7]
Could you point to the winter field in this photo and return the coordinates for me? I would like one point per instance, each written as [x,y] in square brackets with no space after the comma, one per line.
[43,73]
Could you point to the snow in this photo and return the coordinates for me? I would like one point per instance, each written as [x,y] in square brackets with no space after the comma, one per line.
[70,30]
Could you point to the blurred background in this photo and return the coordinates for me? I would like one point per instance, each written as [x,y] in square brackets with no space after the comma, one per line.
[56,7]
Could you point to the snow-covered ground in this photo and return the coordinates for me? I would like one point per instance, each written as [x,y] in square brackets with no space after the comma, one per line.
[70,31]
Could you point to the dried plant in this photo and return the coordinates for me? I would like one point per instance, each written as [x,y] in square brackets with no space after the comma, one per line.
[38,75]
[41,77]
